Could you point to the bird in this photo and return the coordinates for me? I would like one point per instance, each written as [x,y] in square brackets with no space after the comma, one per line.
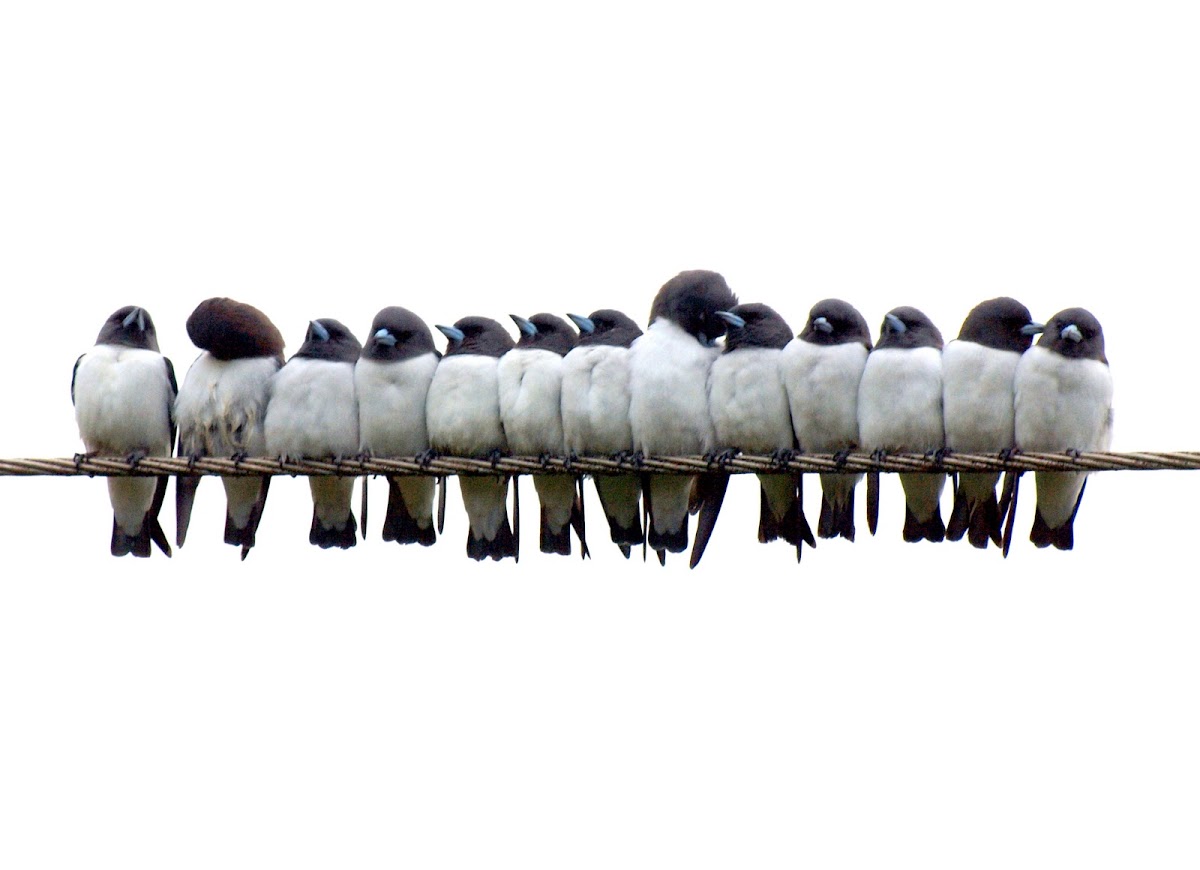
[312,413]
[221,407]
[900,410]
[668,387]
[821,369]
[748,404]
[977,397]
[595,414]
[462,413]
[1063,402]
[391,380]
[529,379]
[123,390]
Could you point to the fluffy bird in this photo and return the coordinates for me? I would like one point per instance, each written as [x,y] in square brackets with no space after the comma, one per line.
[391,380]
[900,410]
[668,409]
[821,369]
[530,378]
[462,412]
[748,404]
[977,373]
[221,407]
[1063,390]
[312,413]
[595,414]
[124,391]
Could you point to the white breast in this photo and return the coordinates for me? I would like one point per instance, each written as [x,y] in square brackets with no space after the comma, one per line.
[123,401]
[900,400]
[822,386]
[668,410]
[312,410]
[747,401]
[1062,404]
[595,400]
[978,396]
[530,389]
[462,411]
[391,404]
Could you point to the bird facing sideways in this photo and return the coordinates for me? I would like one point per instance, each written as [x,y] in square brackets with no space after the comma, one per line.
[221,408]
[1063,388]
[391,380]
[124,391]
[312,413]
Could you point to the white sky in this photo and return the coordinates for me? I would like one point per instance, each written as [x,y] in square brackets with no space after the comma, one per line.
[881,703]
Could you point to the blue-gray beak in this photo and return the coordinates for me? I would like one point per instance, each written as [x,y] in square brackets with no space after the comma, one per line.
[1032,329]
[318,330]
[138,315]
[524,325]
[585,324]
[823,325]
[734,320]
[895,323]
[1071,333]
[453,333]
[385,337]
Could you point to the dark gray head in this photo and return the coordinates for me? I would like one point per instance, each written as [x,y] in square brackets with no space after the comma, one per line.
[755,325]
[907,328]
[606,326]
[233,330]
[1075,333]
[329,339]
[545,332]
[397,334]
[1002,324]
[832,321]
[480,336]
[130,326]
[691,300]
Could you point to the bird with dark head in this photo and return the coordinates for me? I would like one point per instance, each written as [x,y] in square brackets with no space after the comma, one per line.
[221,408]
[821,370]
[668,410]
[312,413]
[978,369]
[1063,402]
[391,379]
[900,410]
[124,391]
[462,413]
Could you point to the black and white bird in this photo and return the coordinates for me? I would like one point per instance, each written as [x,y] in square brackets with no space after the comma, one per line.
[977,373]
[748,404]
[463,415]
[530,382]
[1064,390]
[900,411]
[221,408]
[668,410]
[595,414]
[124,390]
[391,380]
[821,369]
[312,413]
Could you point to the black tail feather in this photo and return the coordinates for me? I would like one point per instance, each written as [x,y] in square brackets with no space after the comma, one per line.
[325,538]
[709,491]
[244,537]
[872,501]
[399,524]
[185,497]
[500,547]
[556,541]
[836,520]
[931,530]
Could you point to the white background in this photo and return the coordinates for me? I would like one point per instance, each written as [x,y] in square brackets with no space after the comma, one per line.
[881,704]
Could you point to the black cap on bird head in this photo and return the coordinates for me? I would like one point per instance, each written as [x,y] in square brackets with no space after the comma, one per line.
[545,332]
[755,325]
[329,339]
[229,330]
[397,334]
[478,336]
[606,326]
[1002,324]
[833,321]
[691,301]
[130,326]
[908,328]
[1076,334]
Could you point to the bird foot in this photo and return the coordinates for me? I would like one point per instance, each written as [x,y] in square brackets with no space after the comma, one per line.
[1074,454]
[781,458]
[135,458]
[543,460]
[426,458]
[494,456]
[1008,453]
[569,460]
[840,457]
[722,458]
[80,458]
[938,455]
[879,455]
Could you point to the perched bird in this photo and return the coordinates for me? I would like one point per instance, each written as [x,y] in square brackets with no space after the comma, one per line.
[595,414]
[221,407]
[821,370]
[900,410]
[312,413]
[391,380]
[462,412]
[1063,390]
[749,408]
[124,390]
[977,373]
[668,409]
[530,382]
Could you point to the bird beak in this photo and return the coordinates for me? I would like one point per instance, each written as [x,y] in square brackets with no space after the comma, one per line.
[823,325]
[138,315]
[453,333]
[1032,329]
[585,324]
[524,325]
[896,324]
[1071,333]
[732,319]
[316,329]
[385,337]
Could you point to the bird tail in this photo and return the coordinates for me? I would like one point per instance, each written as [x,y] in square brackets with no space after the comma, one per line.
[837,506]
[123,544]
[399,524]
[619,496]
[326,537]
[931,529]
[667,499]
[243,535]
[709,493]
[502,546]
[976,512]
[1063,537]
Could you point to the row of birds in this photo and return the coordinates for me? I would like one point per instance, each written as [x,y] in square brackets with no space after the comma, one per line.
[609,389]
